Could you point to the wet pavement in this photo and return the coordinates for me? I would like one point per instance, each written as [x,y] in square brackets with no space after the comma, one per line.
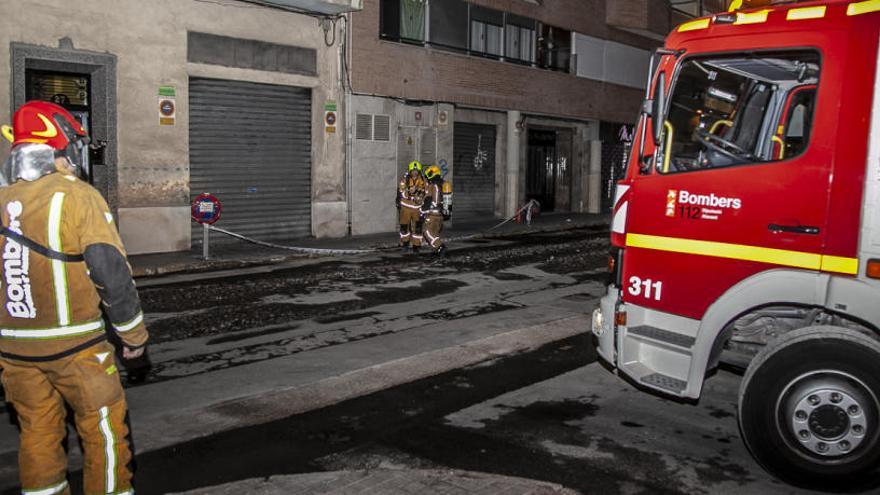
[553,415]
[317,331]
[392,369]
[243,319]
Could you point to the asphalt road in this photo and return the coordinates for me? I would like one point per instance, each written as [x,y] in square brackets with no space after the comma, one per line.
[553,414]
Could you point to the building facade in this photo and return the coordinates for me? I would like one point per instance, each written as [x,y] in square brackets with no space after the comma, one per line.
[512,98]
[187,97]
[301,124]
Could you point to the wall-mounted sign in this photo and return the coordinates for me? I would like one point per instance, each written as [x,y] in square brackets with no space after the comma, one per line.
[442,119]
[167,105]
[330,117]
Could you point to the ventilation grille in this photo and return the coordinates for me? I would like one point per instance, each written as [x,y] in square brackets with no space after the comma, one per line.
[364,127]
[382,127]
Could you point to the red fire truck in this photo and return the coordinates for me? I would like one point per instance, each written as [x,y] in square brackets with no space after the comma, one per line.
[747,231]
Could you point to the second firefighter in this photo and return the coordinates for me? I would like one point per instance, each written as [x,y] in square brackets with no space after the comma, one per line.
[437,207]
[411,193]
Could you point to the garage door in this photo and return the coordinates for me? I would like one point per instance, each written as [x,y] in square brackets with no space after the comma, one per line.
[250,145]
[473,181]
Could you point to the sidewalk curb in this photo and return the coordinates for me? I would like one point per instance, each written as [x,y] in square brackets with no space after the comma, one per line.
[196,265]
[176,427]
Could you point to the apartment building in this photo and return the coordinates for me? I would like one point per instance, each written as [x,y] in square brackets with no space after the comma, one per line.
[514,99]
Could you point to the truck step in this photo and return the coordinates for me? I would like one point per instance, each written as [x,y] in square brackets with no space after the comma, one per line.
[667,383]
[665,336]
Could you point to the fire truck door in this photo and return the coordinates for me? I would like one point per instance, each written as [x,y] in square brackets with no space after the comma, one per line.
[733,191]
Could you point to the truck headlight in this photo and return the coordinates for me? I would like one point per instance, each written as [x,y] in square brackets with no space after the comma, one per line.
[598,320]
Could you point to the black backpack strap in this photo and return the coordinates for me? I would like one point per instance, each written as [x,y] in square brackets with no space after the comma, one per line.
[39,248]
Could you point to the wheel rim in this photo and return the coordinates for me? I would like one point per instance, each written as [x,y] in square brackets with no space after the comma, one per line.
[828,415]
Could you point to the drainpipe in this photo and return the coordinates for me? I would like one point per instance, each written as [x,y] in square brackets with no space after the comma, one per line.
[514,118]
[346,76]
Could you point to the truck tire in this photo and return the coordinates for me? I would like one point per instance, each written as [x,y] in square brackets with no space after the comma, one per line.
[809,408]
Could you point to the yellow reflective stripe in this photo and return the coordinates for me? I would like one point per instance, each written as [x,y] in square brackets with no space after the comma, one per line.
[751,17]
[125,327]
[840,265]
[866,7]
[109,449]
[773,256]
[694,25]
[59,272]
[804,13]
[52,490]
[50,333]
[734,5]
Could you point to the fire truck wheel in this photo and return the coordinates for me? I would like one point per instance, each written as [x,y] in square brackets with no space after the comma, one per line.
[809,408]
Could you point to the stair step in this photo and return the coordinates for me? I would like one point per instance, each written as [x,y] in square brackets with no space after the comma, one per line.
[665,382]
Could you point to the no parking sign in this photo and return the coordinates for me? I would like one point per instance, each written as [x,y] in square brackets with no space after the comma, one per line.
[206,209]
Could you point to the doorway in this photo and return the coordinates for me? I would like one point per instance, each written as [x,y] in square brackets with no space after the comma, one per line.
[71,91]
[84,83]
[548,170]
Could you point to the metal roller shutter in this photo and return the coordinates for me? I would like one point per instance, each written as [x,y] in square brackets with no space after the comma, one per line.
[250,145]
[473,182]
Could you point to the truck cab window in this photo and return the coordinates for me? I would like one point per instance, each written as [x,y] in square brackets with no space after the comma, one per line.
[739,109]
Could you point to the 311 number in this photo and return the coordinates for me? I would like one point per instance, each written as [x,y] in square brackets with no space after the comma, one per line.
[647,288]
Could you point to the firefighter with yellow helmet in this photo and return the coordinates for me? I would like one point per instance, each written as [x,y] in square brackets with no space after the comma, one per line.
[436,208]
[63,260]
[410,196]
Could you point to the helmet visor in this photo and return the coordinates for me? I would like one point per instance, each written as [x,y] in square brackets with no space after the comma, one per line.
[76,150]
[29,162]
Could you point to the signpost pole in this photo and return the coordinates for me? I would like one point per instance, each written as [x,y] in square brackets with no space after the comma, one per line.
[206,236]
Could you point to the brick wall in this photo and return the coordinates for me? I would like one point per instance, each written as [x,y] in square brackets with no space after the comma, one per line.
[387,68]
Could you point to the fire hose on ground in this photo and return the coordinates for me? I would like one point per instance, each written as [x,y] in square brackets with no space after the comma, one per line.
[527,208]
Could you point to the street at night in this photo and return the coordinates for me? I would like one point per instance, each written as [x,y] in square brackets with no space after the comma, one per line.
[547,412]
[453,247]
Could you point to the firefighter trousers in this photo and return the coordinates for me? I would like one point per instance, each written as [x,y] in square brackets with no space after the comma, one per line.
[433,229]
[89,382]
[410,226]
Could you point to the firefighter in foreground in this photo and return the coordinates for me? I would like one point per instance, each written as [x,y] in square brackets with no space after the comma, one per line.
[62,258]
[410,196]
[436,208]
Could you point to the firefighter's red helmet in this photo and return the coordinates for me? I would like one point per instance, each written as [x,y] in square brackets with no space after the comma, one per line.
[39,126]
[45,123]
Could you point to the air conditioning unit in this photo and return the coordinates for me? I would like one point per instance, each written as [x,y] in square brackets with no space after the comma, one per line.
[330,7]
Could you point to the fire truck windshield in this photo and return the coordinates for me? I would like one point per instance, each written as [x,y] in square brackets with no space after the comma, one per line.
[739,109]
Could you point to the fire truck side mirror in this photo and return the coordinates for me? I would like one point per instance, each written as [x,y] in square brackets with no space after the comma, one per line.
[657,116]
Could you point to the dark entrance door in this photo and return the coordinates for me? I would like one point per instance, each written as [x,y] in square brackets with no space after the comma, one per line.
[73,92]
[474,182]
[541,168]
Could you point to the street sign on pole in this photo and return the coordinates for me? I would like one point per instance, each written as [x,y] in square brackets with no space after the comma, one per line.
[206,209]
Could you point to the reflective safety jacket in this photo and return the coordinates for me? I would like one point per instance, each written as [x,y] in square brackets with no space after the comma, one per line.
[411,191]
[438,198]
[432,198]
[50,308]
